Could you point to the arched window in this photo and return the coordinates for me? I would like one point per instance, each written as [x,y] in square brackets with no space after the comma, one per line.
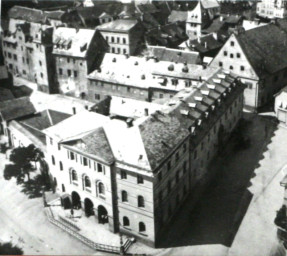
[74,175]
[101,188]
[140,201]
[61,166]
[141,227]
[87,182]
[124,196]
[53,160]
[126,221]
[231,67]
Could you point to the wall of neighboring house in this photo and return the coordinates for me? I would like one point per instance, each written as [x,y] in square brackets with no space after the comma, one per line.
[118,42]
[58,154]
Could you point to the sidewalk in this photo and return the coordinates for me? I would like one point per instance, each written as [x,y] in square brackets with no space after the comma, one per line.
[257,233]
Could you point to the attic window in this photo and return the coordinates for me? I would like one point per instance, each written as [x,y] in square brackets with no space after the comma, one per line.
[185,69]
[143,77]
[184,112]
[114,60]
[136,63]
[83,47]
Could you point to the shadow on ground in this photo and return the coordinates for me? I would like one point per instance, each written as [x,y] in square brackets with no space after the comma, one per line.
[216,217]
[34,187]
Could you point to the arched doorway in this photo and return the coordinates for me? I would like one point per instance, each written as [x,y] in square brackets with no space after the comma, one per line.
[76,200]
[102,215]
[89,207]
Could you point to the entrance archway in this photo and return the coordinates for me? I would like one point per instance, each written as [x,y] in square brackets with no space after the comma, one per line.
[76,200]
[89,207]
[102,215]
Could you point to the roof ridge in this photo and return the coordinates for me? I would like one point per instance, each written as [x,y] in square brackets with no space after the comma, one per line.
[49,117]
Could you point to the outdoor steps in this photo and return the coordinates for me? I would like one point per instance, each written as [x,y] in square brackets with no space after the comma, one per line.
[85,240]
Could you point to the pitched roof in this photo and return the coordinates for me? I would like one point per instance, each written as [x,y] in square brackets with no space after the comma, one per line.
[118,25]
[208,4]
[177,16]
[56,15]
[174,55]
[27,14]
[72,42]
[5,94]
[206,43]
[94,144]
[44,119]
[16,108]
[265,47]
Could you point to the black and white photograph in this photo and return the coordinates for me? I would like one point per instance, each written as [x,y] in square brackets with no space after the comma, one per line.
[143,127]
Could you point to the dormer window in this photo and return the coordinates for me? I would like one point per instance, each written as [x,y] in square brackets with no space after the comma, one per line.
[83,47]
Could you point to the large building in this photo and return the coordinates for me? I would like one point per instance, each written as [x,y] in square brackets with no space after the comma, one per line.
[133,169]
[258,57]
[27,47]
[272,9]
[77,52]
[124,36]
[146,79]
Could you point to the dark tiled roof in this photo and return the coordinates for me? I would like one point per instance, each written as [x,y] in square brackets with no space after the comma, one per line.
[27,14]
[265,47]
[147,8]
[44,119]
[173,55]
[215,26]
[160,135]
[209,41]
[16,108]
[5,94]
[96,144]
[175,16]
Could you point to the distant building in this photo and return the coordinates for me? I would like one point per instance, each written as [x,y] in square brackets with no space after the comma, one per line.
[27,47]
[77,52]
[250,24]
[137,185]
[280,106]
[174,55]
[124,36]
[143,78]
[257,56]
[200,17]
[272,9]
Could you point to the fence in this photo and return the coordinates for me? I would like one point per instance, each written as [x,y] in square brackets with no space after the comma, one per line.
[65,225]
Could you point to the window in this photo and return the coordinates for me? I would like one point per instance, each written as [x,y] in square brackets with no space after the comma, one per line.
[9,55]
[249,85]
[142,227]
[160,95]
[140,179]
[124,41]
[123,175]
[72,155]
[87,182]
[242,68]
[97,96]
[238,55]
[107,38]
[141,201]
[51,141]
[15,56]
[61,166]
[118,40]
[74,175]
[113,50]
[68,60]
[75,73]
[85,161]
[126,221]
[231,55]
[69,72]
[124,196]
[41,74]
[24,72]
[220,64]
[27,60]
[59,147]
[101,188]
[63,188]
[232,43]
[53,160]
[231,67]
[225,53]
[124,51]
[113,39]
[40,62]
[99,167]
[60,71]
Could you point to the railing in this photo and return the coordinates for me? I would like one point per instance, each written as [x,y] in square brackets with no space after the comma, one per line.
[71,224]
[99,247]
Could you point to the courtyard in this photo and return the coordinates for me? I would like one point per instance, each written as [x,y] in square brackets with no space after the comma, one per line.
[237,209]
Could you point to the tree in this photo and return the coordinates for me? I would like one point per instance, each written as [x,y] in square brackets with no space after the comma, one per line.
[22,158]
[12,170]
[9,249]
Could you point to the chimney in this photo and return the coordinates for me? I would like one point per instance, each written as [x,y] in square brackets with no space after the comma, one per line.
[221,18]
[129,122]
[205,44]
[215,36]
[146,111]
[199,40]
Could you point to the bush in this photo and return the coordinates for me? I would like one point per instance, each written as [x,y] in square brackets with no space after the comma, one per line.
[9,249]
